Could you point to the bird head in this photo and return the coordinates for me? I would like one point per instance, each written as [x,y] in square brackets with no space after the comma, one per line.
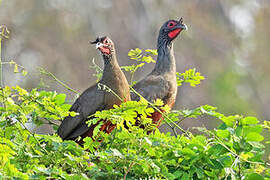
[171,29]
[104,45]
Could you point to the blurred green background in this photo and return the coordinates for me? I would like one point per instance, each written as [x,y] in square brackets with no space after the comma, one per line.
[227,41]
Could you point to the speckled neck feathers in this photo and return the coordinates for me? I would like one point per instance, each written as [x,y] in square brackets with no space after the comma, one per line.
[165,60]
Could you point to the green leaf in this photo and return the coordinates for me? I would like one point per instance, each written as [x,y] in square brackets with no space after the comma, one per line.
[177,174]
[209,173]
[226,161]
[166,108]
[158,102]
[73,114]
[152,51]
[135,54]
[188,152]
[216,164]
[139,65]
[128,68]
[16,68]
[189,76]
[254,176]
[229,121]
[223,133]
[246,156]
[253,136]
[239,131]
[217,150]
[155,168]
[97,129]
[11,62]
[66,107]
[185,176]
[148,59]
[249,120]
[249,129]
[24,73]
[60,98]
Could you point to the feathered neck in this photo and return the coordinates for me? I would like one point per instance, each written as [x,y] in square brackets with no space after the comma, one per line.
[111,67]
[165,60]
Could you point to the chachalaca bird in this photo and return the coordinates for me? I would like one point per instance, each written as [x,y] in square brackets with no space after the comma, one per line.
[161,82]
[95,99]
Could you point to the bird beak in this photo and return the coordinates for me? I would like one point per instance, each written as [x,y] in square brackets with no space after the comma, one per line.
[181,26]
[185,27]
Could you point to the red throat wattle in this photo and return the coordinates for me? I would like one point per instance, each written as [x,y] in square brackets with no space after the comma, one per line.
[174,33]
[105,50]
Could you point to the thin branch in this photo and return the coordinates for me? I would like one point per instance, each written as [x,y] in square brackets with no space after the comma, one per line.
[173,129]
[130,166]
[43,71]
[132,77]
[96,66]
[98,69]
[51,123]
[178,122]
[108,89]
[48,123]
[10,63]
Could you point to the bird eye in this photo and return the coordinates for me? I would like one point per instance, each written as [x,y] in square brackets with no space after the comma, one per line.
[106,41]
[171,24]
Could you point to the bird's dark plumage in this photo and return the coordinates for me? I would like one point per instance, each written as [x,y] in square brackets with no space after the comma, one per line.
[95,99]
[161,82]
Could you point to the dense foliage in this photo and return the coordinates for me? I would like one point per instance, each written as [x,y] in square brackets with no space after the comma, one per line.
[233,150]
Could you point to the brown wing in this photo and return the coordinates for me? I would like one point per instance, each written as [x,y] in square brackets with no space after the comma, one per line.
[90,101]
[151,88]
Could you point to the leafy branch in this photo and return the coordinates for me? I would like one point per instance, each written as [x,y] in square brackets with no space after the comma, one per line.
[16,67]
[189,76]
[140,59]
